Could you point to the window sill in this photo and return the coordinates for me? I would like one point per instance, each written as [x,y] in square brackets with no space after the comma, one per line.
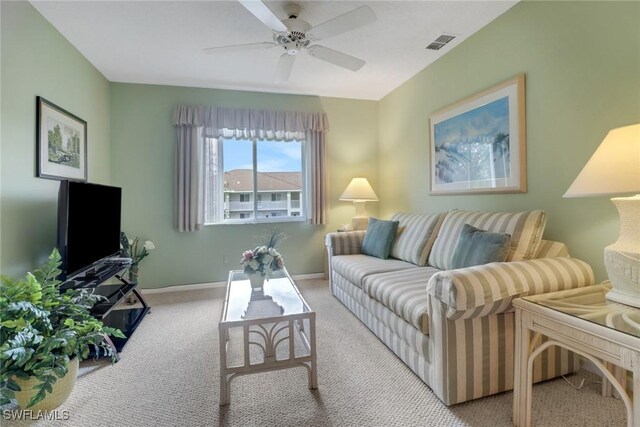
[258,221]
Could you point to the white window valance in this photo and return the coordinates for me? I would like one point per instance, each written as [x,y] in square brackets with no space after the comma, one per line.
[246,123]
[194,124]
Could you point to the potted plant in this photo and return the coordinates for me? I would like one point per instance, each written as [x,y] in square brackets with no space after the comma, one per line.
[259,263]
[44,333]
[131,248]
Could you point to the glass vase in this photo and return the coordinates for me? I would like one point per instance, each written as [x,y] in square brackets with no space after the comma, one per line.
[256,280]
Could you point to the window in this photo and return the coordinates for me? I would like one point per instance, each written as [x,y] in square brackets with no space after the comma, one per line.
[254,181]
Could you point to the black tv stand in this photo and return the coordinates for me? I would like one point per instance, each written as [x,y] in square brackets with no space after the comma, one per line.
[110,310]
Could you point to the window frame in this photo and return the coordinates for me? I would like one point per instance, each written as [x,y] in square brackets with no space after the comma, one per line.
[255,195]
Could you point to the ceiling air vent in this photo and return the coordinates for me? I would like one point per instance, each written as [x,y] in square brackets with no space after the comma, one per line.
[438,43]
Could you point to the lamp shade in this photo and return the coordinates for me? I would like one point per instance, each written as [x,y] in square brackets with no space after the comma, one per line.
[359,190]
[614,168]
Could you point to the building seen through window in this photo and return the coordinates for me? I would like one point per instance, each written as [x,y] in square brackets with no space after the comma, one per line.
[278,193]
[260,180]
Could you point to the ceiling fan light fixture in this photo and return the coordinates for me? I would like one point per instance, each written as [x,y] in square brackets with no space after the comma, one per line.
[294,34]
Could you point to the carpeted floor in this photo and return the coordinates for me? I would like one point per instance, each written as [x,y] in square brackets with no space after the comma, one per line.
[168,376]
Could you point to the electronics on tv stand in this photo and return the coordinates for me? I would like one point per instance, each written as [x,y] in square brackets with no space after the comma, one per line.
[119,260]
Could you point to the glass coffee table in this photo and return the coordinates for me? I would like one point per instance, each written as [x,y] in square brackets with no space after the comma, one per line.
[581,320]
[265,329]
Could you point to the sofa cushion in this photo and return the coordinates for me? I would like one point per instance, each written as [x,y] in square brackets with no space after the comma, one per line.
[550,249]
[404,293]
[415,236]
[356,267]
[380,234]
[392,325]
[525,229]
[477,247]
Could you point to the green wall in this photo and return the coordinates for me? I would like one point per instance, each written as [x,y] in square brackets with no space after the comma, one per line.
[37,60]
[582,66]
[143,153]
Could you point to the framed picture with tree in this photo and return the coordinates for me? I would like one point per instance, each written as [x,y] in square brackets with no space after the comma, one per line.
[61,143]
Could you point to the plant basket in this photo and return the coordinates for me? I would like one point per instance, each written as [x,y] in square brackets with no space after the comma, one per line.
[60,393]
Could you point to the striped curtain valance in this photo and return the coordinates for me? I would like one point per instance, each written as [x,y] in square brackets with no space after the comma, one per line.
[250,123]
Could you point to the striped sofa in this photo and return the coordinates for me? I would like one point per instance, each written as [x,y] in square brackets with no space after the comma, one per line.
[454,328]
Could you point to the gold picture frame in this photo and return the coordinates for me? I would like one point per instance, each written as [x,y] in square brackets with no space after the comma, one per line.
[478,145]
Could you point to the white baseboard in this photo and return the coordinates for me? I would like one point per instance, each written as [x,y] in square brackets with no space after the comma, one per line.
[308,276]
[214,285]
[183,288]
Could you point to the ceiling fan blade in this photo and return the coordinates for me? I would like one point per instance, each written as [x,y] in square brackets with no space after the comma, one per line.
[239,47]
[264,14]
[285,65]
[343,23]
[337,58]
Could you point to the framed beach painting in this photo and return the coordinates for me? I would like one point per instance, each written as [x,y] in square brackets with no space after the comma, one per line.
[478,144]
[61,143]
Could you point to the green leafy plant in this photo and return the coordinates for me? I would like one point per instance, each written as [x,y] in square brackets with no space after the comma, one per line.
[43,327]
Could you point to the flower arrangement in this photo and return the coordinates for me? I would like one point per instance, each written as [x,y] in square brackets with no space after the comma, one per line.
[265,258]
[131,248]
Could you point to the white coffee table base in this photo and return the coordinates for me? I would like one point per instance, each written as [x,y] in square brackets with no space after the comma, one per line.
[268,335]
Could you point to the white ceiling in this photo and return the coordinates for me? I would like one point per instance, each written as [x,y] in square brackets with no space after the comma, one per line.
[161,42]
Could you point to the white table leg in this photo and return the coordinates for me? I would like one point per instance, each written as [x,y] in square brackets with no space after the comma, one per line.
[224,384]
[521,389]
[313,384]
[607,389]
[516,369]
[636,391]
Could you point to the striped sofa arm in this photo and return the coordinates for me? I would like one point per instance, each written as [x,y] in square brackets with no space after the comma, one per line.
[345,243]
[486,289]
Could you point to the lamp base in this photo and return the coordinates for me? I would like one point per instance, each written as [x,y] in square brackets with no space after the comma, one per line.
[622,259]
[617,296]
[360,222]
[624,273]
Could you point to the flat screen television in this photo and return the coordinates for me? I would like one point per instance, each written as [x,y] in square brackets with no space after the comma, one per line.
[88,225]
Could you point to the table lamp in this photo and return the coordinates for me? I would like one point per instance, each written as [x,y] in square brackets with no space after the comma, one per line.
[359,191]
[612,170]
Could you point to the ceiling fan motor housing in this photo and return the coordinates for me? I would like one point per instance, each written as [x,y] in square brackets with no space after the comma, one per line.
[294,39]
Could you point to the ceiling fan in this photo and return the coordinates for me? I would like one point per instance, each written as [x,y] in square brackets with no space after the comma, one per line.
[294,35]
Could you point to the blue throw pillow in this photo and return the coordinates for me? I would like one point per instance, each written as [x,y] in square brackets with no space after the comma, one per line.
[380,235]
[476,247]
